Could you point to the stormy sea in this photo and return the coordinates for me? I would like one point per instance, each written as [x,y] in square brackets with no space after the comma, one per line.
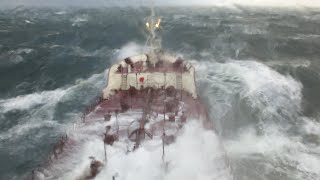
[257,73]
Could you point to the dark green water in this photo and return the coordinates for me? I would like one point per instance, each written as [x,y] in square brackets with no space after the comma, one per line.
[257,69]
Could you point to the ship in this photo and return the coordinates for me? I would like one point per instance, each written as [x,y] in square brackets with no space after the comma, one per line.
[148,97]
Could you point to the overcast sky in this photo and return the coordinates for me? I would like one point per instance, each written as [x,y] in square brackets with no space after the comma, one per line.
[99,3]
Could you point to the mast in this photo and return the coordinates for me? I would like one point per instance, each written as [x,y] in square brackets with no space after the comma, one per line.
[153,42]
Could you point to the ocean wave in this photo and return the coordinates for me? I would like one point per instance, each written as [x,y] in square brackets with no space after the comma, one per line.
[41,106]
[129,49]
[25,102]
[23,50]
[24,128]
[270,110]
[197,154]
[277,147]
[265,89]
[79,20]
[295,63]
[31,100]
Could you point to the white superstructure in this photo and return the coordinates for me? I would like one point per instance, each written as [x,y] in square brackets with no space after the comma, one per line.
[122,76]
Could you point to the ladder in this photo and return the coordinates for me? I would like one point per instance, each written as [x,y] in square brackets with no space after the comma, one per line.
[179,81]
[123,81]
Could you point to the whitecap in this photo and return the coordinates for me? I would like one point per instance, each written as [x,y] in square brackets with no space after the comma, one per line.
[79,20]
[197,154]
[60,12]
[25,102]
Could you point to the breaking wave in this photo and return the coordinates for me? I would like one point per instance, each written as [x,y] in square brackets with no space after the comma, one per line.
[197,154]
[28,101]
[257,111]
[41,108]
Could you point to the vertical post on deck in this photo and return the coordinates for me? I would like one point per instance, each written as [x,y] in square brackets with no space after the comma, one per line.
[165,79]
[163,136]
[117,123]
[136,80]
[33,175]
[164,116]
[130,98]
[165,97]
[105,151]
[181,87]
